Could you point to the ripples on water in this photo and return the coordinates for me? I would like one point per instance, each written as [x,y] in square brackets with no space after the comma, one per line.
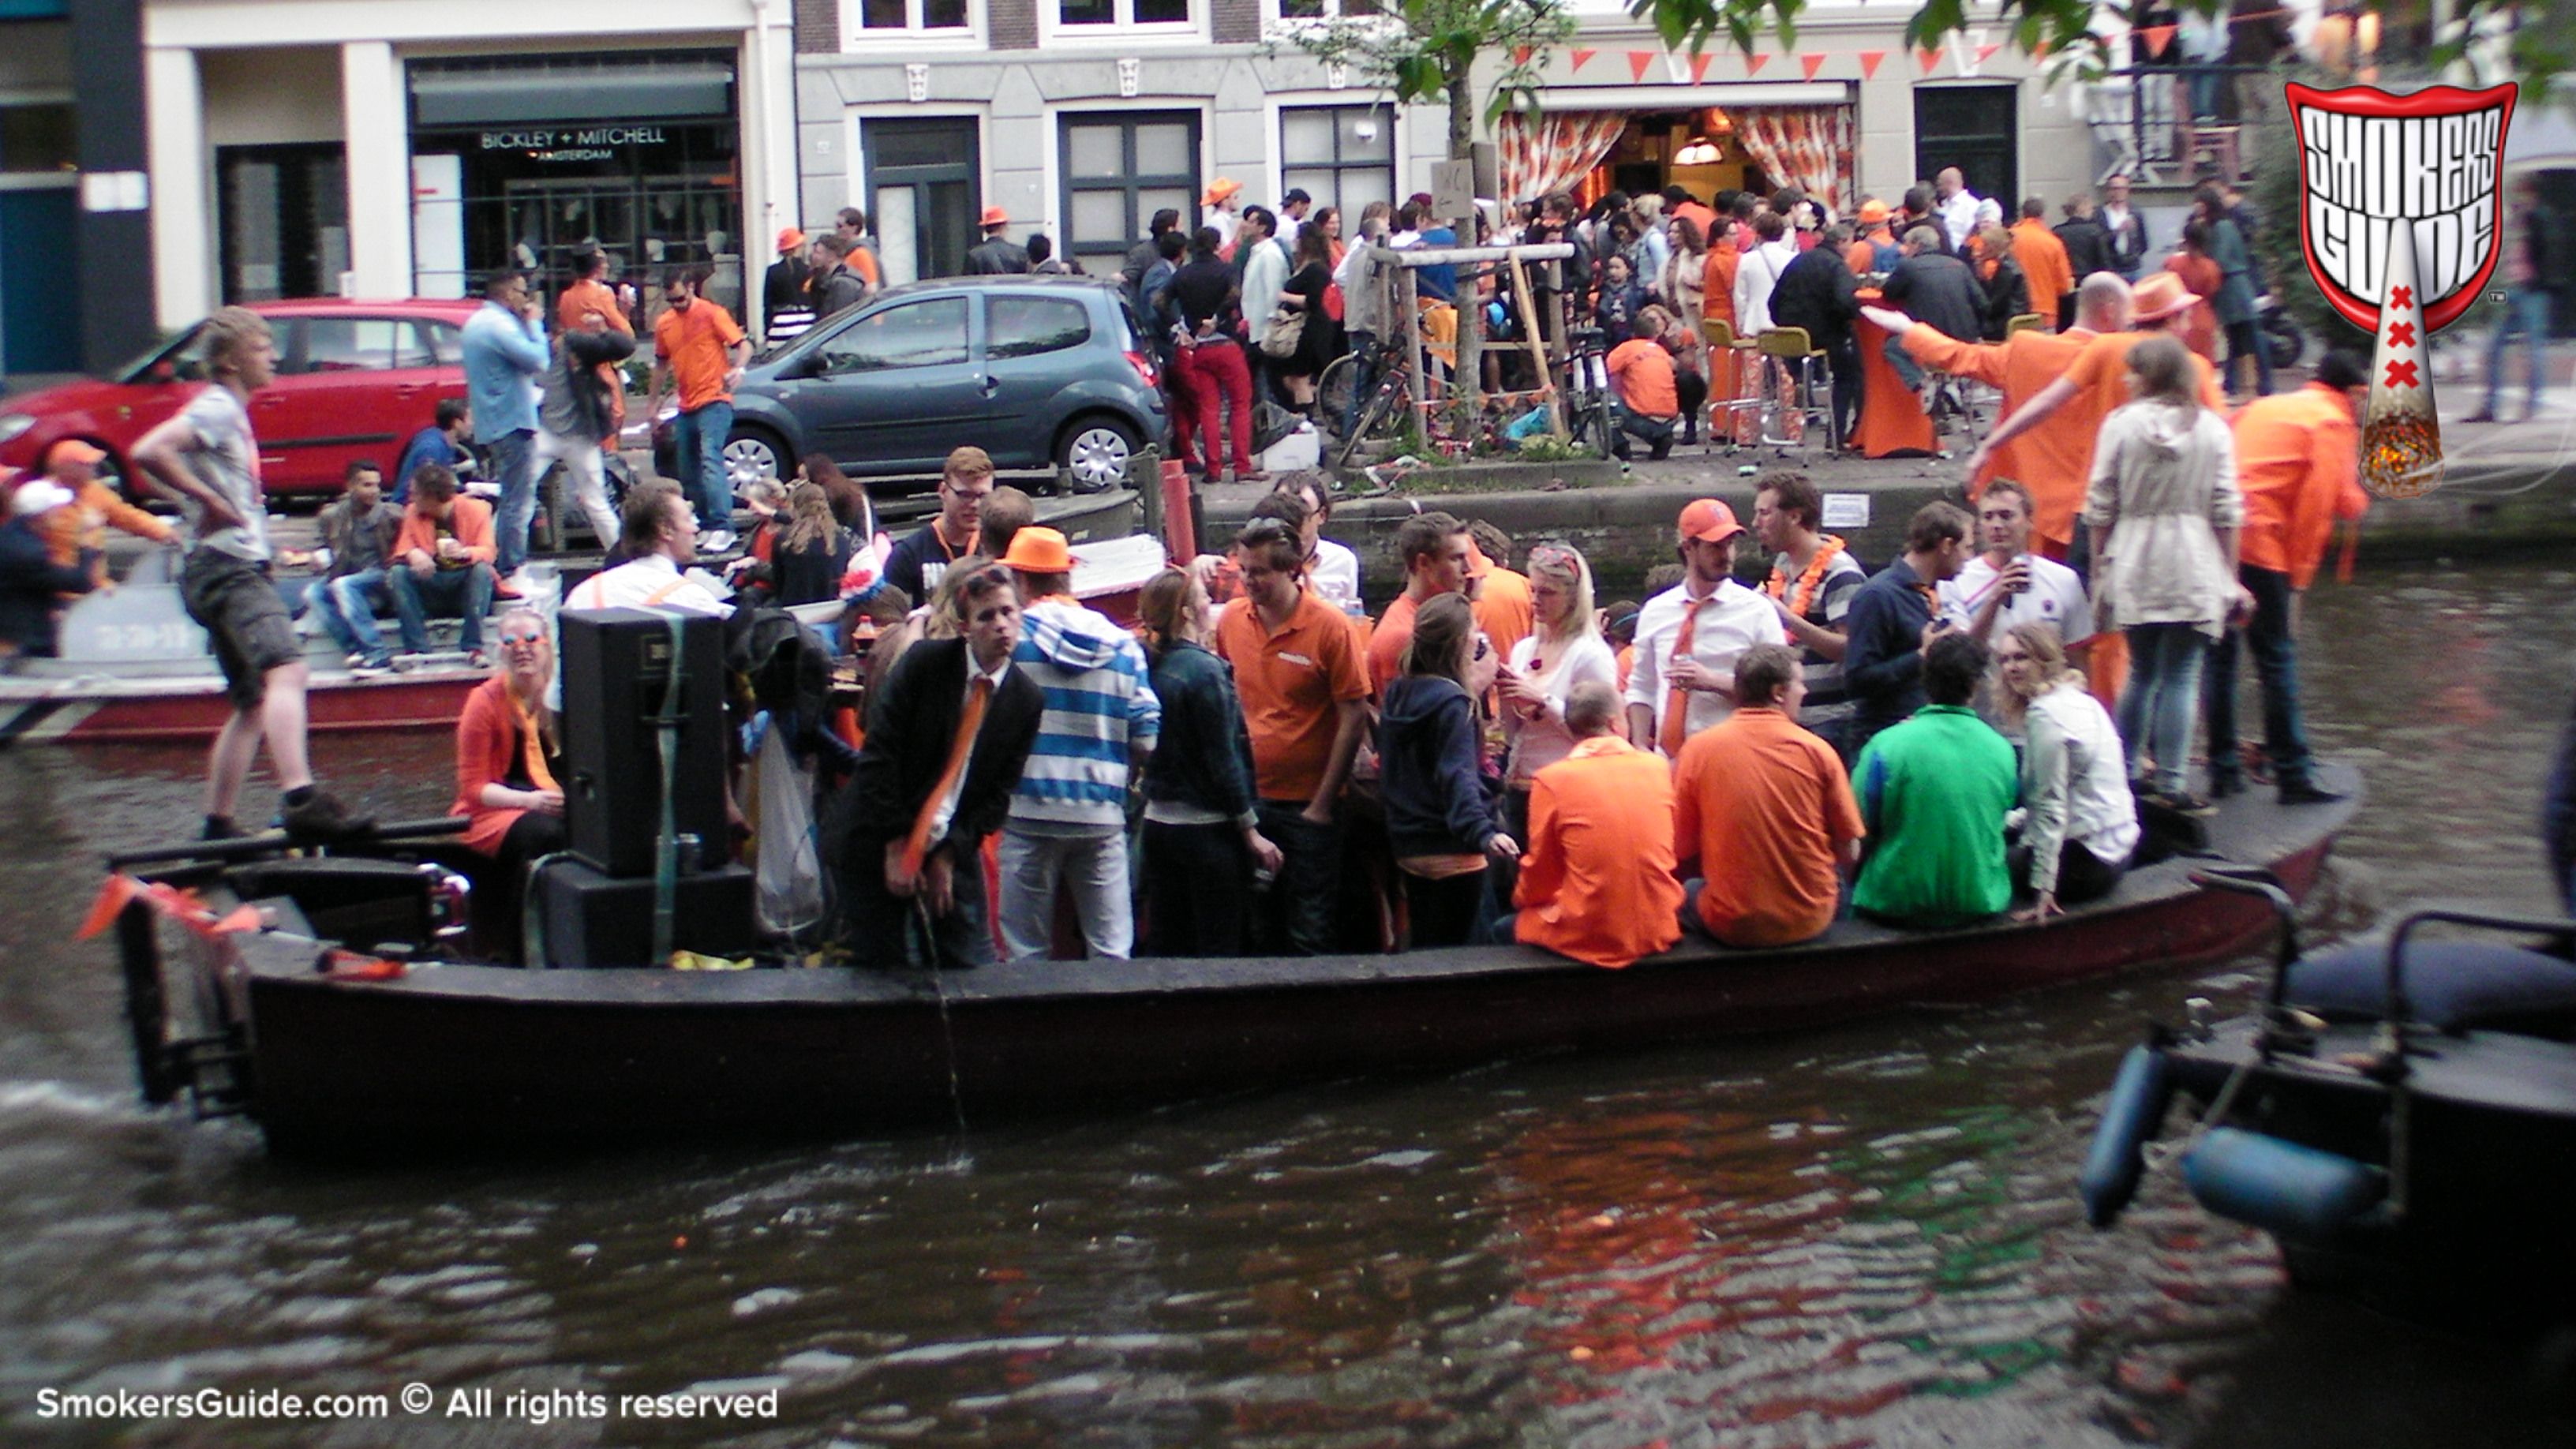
[1859,1237]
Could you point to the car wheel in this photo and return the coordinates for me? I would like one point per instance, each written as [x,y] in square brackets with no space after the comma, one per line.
[1095,452]
[751,456]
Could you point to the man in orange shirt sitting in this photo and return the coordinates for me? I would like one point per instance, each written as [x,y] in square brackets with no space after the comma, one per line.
[442,559]
[1597,880]
[1641,377]
[1766,810]
[2298,460]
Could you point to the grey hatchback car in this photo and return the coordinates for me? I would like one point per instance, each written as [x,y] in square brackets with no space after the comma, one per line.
[1038,371]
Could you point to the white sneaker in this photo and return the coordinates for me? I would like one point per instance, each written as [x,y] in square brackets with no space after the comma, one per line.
[717,541]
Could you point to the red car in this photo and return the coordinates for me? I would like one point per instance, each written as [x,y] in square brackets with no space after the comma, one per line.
[354,380]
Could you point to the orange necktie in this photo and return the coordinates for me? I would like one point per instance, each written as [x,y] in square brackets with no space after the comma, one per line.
[1677,703]
[917,844]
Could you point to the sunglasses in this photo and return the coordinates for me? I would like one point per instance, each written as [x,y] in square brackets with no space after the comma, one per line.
[507,640]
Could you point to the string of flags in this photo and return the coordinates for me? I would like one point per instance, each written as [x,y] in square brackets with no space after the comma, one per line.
[1964,57]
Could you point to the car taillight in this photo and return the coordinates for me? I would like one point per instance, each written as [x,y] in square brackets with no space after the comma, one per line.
[1144,366]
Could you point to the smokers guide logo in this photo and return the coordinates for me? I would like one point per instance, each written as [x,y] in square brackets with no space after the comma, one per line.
[2401,211]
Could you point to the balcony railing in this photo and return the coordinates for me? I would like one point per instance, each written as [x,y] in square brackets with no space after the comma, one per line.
[2175,124]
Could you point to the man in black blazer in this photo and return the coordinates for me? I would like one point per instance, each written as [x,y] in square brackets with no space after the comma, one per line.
[912,726]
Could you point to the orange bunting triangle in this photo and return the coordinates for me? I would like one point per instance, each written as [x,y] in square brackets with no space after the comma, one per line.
[1984,51]
[1638,60]
[1753,64]
[1929,58]
[242,918]
[2042,50]
[1812,62]
[1582,56]
[1521,54]
[1869,62]
[2157,38]
[113,893]
[1699,67]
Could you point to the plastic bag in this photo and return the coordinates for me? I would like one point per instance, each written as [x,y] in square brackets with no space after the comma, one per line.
[789,876]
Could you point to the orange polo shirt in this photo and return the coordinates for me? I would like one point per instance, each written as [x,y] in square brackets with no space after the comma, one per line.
[2051,459]
[696,345]
[1504,610]
[587,296]
[1763,806]
[1597,880]
[2298,459]
[2044,261]
[2100,373]
[1386,644]
[1292,681]
[1644,372]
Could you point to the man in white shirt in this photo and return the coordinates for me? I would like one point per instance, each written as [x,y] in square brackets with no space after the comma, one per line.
[1292,214]
[660,530]
[1957,208]
[1760,271]
[1689,636]
[2007,584]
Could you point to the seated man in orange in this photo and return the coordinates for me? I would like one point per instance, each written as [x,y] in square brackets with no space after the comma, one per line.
[1597,880]
[442,558]
[1766,810]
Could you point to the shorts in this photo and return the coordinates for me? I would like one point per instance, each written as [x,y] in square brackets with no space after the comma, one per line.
[245,620]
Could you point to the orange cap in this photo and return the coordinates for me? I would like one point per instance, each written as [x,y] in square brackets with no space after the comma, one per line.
[1036,550]
[1872,212]
[790,239]
[1709,521]
[72,450]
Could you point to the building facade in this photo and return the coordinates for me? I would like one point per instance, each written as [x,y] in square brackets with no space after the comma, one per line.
[366,147]
[1080,118]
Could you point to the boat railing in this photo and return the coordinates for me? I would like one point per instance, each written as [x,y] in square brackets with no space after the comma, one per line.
[249,847]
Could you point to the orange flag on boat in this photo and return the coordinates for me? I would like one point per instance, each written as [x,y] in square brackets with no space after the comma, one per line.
[113,893]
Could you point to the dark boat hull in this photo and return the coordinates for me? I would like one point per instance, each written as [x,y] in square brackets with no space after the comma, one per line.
[477,1057]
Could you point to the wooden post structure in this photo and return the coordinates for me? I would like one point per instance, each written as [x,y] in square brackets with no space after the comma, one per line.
[1538,347]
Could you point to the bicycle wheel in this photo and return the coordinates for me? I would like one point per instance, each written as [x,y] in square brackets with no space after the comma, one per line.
[1334,390]
[1380,417]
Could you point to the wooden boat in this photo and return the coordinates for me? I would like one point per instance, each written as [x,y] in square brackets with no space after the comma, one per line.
[2400,1116]
[473,1057]
[135,668]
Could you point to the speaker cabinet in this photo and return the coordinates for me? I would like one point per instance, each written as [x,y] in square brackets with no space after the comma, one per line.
[616,665]
[593,920]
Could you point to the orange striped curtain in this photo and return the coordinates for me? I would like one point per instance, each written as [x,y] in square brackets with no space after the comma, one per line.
[1553,152]
[1809,147]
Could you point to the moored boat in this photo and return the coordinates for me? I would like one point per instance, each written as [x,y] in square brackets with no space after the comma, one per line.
[472,1057]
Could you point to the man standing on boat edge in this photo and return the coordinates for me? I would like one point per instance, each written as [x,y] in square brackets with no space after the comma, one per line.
[207,457]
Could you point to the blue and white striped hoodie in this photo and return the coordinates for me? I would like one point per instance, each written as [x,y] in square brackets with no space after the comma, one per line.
[1099,704]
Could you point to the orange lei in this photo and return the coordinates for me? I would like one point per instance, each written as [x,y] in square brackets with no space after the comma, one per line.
[1811,578]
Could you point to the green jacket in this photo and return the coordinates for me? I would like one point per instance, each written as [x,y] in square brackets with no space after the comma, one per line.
[1933,792]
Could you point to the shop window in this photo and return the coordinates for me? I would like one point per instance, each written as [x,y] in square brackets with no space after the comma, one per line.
[37,138]
[912,334]
[1123,12]
[1119,170]
[1328,10]
[900,17]
[1028,326]
[1975,129]
[1340,155]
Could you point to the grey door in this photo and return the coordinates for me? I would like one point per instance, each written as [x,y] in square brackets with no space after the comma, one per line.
[924,195]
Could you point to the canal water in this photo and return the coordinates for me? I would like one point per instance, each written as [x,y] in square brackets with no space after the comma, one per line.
[1865,1236]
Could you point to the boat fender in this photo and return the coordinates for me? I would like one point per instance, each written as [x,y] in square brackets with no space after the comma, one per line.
[2300,1193]
[2130,1119]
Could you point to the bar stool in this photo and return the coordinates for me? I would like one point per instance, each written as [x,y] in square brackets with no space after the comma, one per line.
[1800,365]
[1741,406]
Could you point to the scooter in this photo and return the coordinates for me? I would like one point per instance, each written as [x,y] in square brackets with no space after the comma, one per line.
[2280,331]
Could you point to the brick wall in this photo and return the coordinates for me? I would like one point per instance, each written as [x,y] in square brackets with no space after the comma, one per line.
[818,27]
[1236,22]
[1011,24]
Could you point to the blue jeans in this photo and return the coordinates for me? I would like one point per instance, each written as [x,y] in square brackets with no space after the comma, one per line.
[1907,369]
[698,441]
[2276,667]
[514,468]
[2156,708]
[455,593]
[2525,309]
[347,608]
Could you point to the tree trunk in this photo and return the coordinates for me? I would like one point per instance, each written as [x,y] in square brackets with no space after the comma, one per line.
[1468,386]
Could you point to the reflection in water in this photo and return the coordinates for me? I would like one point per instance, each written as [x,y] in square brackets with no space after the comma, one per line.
[1863,1236]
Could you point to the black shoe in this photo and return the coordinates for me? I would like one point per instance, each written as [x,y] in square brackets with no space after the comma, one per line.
[1660,451]
[2482,415]
[321,817]
[219,827]
[2307,792]
[2222,786]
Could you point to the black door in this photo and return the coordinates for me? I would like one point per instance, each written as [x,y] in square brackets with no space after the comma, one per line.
[924,195]
[1977,129]
[285,220]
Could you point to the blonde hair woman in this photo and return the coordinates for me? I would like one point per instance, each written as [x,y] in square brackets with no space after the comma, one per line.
[1564,648]
[2080,823]
[509,760]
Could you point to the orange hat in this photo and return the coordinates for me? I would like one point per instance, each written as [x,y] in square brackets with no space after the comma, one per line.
[996,216]
[1872,212]
[1036,550]
[1219,189]
[2160,294]
[1477,564]
[1708,521]
[790,239]
[71,450]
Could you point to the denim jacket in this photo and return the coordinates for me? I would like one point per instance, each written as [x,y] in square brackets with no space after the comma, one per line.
[1204,758]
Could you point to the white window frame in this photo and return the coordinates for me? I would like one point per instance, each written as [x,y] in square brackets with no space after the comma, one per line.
[1274,16]
[914,35]
[1124,30]
[1399,151]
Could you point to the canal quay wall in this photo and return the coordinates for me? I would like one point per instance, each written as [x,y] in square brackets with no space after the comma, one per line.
[2495,502]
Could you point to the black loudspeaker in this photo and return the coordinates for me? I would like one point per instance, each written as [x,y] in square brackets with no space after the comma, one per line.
[594,920]
[616,665]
